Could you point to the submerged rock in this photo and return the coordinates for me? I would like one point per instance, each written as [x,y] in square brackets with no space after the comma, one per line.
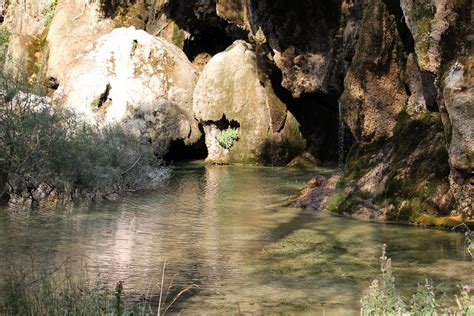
[230,94]
[316,193]
[140,81]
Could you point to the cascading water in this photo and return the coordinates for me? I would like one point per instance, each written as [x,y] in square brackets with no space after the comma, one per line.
[341,145]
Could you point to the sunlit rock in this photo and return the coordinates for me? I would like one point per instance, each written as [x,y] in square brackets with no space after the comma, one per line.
[229,94]
[140,81]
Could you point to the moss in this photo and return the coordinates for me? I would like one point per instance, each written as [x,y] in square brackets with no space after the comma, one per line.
[417,168]
[358,161]
[37,56]
[178,36]
[334,201]
[430,220]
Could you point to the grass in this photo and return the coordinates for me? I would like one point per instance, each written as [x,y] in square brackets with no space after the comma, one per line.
[4,37]
[37,291]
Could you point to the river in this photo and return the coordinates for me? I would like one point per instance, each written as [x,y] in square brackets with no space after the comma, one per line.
[227,230]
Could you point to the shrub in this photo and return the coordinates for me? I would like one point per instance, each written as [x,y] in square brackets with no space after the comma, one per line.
[226,138]
[28,288]
[49,152]
[382,297]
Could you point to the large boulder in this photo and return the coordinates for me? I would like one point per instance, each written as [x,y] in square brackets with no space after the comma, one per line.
[137,80]
[74,29]
[230,94]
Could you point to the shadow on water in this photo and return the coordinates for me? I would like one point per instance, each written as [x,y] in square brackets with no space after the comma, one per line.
[224,229]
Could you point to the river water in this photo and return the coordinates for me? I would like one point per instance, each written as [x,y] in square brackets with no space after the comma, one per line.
[227,230]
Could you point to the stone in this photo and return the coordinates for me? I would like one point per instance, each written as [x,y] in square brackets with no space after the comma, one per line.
[458,97]
[139,81]
[229,93]
[374,93]
[316,193]
[74,29]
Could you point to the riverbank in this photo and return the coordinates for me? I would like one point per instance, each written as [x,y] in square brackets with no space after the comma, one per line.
[324,193]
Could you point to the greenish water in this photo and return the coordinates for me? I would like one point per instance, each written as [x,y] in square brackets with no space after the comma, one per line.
[226,229]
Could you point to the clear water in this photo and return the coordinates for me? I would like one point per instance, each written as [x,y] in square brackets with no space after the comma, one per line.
[226,229]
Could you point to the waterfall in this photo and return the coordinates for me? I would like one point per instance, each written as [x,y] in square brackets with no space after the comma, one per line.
[341,145]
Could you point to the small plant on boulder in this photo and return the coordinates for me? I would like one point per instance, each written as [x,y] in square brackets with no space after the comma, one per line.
[226,138]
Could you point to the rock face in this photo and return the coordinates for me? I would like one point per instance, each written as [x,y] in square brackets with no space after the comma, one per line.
[137,80]
[74,29]
[374,94]
[311,42]
[229,93]
[458,94]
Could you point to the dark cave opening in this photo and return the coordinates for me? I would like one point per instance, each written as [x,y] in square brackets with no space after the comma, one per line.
[224,123]
[210,40]
[179,151]
[208,32]
[318,116]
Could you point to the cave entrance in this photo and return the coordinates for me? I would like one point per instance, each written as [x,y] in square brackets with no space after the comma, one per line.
[319,117]
[327,138]
[179,151]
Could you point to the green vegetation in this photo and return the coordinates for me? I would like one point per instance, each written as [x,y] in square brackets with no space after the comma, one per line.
[49,153]
[4,37]
[227,137]
[382,297]
[334,201]
[38,291]
[49,14]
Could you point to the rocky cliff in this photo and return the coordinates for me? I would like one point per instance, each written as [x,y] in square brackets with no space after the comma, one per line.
[385,84]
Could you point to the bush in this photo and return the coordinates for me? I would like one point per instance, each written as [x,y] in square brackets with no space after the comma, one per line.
[49,152]
[28,288]
[226,138]
[382,297]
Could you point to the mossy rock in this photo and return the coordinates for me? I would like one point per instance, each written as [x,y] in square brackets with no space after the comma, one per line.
[416,169]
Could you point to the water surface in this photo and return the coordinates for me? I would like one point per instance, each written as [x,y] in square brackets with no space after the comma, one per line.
[226,229]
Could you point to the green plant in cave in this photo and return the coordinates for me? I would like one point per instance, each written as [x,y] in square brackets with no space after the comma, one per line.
[49,14]
[227,137]
[334,201]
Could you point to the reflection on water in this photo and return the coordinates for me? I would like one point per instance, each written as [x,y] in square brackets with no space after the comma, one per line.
[225,229]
